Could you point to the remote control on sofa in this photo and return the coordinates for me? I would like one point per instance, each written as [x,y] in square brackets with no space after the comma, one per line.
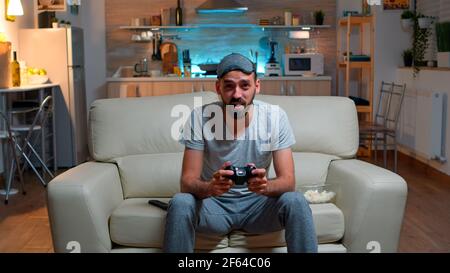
[159,204]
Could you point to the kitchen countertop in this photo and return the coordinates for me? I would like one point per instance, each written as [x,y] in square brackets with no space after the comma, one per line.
[28,87]
[172,79]
[124,74]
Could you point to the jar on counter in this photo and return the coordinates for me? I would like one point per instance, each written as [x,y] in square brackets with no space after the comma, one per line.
[295,20]
[187,70]
[287,18]
[23,73]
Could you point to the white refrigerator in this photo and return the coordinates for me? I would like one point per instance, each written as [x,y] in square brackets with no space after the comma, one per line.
[61,52]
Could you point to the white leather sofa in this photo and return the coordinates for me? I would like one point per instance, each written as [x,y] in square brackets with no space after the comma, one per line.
[102,205]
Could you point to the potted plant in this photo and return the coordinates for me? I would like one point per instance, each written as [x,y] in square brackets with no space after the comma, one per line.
[420,45]
[408,57]
[407,19]
[424,21]
[55,22]
[443,44]
[319,17]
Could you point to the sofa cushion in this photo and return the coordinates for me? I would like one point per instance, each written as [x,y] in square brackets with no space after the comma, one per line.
[327,125]
[147,125]
[310,168]
[133,126]
[328,222]
[138,224]
[156,175]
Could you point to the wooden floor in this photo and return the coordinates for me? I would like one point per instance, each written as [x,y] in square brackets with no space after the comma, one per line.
[24,225]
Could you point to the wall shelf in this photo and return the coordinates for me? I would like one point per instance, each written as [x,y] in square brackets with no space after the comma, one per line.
[356,64]
[187,27]
[361,26]
[355,20]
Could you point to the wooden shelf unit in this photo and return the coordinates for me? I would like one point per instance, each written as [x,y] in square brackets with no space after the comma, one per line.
[365,69]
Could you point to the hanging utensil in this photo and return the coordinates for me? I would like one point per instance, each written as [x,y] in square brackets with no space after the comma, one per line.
[158,47]
[154,57]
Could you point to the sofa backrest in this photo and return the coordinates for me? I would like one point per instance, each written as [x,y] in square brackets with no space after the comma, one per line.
[136,134]
[327,125]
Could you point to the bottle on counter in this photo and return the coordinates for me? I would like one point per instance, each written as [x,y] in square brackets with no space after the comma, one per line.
[187,70]
[177,70]
[15,71]
[178,14]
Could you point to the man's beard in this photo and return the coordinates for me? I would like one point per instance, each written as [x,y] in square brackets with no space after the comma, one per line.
[242,108]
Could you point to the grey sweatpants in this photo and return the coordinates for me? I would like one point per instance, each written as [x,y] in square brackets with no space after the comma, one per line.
[255,214]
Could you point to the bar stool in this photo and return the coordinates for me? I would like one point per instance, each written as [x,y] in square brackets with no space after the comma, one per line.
[10,137]
[386,118]
[24,139]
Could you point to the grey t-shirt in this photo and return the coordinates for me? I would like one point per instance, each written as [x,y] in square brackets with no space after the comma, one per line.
[269,130]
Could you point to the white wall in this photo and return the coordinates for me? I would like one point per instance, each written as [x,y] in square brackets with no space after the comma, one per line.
[95,50]
[390,41]
[414,123]
[416,115]
[11,29]
[91,19]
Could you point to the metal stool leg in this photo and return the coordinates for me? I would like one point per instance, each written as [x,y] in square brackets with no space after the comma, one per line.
[395,155]
[32,167]
[385,150]
[376,146]
[15,162]
[45,169]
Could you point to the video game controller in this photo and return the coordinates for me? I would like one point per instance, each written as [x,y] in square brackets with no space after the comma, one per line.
[241,174]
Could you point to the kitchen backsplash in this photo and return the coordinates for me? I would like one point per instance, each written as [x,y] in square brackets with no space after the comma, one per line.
[211,44]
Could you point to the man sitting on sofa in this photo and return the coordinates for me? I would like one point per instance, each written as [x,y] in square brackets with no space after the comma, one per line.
[211,202]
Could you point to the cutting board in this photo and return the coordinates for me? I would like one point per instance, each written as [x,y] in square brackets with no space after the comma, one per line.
[169,53]
[5,60]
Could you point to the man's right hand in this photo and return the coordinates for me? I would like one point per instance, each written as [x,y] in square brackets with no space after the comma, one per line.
[220,183]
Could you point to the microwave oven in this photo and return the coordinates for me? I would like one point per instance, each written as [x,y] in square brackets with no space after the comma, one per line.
[303,63]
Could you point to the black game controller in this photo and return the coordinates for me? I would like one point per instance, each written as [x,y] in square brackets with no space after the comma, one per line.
[241,174]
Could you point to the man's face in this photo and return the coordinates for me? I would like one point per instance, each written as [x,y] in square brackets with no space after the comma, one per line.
[238,90]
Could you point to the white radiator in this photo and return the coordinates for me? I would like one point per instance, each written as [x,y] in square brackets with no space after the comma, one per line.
[438,126]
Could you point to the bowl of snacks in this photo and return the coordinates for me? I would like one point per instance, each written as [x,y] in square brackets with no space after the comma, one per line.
[317,194]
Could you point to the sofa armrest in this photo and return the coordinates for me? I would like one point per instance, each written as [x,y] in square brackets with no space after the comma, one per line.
[80,202]
[373,202]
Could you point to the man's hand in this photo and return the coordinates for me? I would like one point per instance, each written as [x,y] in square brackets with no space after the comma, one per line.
[220,183]
[258,183]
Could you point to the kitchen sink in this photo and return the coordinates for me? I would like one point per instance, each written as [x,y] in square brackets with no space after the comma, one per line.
[127,72]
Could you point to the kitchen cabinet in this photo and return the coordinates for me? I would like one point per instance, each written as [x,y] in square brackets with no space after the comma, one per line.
[129,89]
[296,87]
[285,86]
[308,88]
[155,87]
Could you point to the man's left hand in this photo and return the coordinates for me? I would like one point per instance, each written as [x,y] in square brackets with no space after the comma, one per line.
[258,183]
